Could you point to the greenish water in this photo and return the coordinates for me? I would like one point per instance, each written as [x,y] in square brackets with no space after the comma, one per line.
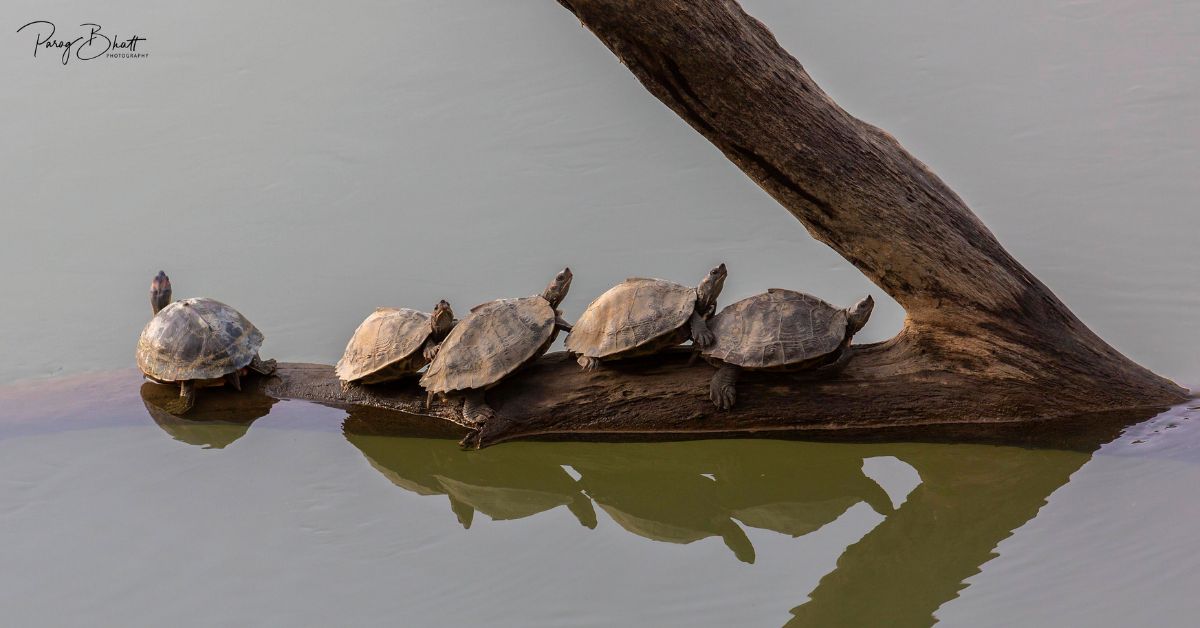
[294,514]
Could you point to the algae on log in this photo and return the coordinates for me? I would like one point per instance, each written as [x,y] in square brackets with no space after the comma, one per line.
[984,341]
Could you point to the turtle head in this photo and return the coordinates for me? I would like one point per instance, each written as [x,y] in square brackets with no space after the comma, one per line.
[858,314]
[557,290]
[160,291]
[442,320]
[710,288]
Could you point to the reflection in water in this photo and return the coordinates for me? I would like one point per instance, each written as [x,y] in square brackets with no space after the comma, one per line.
[506,483]
[219,418]
[969,499]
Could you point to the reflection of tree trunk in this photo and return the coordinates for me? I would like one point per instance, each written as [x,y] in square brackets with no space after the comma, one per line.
[970,499]
[984,340]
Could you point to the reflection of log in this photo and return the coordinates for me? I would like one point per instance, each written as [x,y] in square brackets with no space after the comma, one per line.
[915,560]
[984,340]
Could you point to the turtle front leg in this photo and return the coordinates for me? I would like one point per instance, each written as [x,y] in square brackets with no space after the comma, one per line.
[234,380]
[430,349]
[723,389]
[702,336]
[561,322]
[261,366]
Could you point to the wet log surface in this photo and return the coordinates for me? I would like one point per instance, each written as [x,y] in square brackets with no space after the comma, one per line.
[984,344]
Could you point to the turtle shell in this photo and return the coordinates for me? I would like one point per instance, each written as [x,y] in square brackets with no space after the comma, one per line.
[632,313]
[494,340]
[196,339]
[777,328]
[388,336]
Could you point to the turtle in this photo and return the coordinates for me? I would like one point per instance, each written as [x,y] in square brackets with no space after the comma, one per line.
[393,342]
[641,316]
[197,343]
[779,330]
[493,341]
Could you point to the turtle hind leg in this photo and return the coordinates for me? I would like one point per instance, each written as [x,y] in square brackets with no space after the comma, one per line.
[723,389]
[588,363]
[475,410]
[261,366]
[486,426]
[186,400]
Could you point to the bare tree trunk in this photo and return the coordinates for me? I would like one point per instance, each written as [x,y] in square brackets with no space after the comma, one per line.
[983,341]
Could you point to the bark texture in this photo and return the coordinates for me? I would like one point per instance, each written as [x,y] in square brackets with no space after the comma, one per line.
[984,341]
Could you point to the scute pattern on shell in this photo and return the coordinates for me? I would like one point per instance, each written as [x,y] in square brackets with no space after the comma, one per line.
[196,339]
[631,314]
[387,336]
[494,340]
[777,328]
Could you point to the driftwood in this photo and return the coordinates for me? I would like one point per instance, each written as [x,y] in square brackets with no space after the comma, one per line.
[984,341]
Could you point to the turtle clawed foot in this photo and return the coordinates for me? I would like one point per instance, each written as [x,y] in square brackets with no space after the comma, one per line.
[704,339]
[471,440]
[475,420]
[430,352]
[486,432]
[723,395]
[588,363]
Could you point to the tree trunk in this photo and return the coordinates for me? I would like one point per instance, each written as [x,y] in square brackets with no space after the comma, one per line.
[984,341]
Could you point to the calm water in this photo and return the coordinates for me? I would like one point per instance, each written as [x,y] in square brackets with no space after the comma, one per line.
[301,515]
[308,161]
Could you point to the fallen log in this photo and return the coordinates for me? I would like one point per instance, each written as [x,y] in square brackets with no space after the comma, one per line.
[984,341]
[666,398]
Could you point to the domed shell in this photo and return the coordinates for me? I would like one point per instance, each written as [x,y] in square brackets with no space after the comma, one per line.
[630,314]
[492,341]
[387,336]
[777,328]
[196,339]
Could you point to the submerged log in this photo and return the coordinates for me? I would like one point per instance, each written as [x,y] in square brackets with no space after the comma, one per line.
[983,342]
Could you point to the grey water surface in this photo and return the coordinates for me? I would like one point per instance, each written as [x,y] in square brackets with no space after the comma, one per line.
[307,162]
